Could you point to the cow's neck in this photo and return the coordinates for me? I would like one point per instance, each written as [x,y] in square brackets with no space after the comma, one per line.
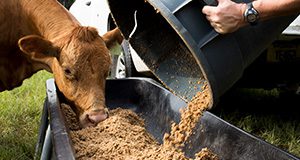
[51,20]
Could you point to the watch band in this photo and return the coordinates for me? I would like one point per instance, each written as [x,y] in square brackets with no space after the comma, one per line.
[251,15]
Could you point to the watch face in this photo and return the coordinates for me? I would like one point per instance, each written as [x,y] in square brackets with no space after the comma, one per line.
[251,18]
[251,15]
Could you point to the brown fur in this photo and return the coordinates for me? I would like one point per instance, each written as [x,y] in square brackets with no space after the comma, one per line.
[42,34]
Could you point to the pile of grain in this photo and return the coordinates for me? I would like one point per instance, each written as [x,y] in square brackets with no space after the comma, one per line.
[123,135]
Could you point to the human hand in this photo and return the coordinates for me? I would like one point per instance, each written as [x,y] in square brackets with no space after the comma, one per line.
[226,17]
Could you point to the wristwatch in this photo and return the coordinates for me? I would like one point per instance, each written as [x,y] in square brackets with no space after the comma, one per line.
[251,15]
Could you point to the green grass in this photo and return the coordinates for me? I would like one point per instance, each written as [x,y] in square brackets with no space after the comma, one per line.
[283,134]
[20,111]
[267,114]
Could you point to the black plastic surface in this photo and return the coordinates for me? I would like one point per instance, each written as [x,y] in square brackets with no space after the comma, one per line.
[159,107]
[62,145]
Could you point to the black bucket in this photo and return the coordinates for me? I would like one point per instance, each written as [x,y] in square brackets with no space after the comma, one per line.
[159,107]
[177,43]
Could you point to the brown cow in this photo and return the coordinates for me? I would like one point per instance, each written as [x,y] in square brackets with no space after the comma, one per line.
[42,34]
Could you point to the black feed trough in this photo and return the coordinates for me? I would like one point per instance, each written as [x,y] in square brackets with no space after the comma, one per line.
[159,107]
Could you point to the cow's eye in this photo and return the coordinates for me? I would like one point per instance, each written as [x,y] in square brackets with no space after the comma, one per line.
[68,73]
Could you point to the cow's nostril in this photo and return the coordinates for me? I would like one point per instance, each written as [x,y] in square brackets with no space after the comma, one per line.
[96,116]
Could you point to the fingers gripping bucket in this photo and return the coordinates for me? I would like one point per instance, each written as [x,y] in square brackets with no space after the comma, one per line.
[180,47]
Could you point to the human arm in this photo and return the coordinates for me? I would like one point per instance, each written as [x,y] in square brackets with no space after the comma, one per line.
[270,8]
[228,16]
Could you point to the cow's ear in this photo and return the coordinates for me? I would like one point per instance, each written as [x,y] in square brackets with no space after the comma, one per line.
[112,37]
[38,48]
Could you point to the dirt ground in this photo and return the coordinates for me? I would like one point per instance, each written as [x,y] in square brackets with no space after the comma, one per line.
[123,135]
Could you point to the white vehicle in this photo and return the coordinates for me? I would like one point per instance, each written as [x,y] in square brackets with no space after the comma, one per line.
[96,13]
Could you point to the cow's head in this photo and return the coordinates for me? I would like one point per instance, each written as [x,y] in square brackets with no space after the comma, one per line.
[80,63]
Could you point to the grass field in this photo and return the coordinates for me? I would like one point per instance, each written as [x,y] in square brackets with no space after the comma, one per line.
[268,114]
[20,111]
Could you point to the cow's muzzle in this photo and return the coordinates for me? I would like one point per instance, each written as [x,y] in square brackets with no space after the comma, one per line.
[93,117]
